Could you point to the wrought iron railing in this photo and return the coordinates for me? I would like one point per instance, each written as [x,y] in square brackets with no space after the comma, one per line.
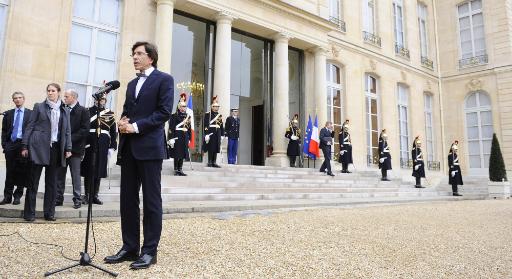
[434,165]
[340,23]
[372,38]
[427,63]
[402,51]
[405,163]
[473,61]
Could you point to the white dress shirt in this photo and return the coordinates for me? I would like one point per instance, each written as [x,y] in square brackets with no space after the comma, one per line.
[140,82]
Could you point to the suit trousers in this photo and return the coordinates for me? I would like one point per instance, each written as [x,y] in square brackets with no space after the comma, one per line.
[11,156]
[327,159]
[232,150]
[135,173]
[95,186]
[74,165]
[50,185]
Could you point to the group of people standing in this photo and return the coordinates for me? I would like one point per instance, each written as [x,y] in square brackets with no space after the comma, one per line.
[55,134]
[327,134]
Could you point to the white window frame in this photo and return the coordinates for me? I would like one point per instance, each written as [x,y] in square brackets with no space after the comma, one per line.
[96,26]
[369,21]
[335,9]
[471,13]
[3,27]
[429,137]
[403,105]
[478,109]
[399,4]
[369,96]
[332,87]
[423,28]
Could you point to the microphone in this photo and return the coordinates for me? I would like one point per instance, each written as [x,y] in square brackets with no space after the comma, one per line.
[109,86]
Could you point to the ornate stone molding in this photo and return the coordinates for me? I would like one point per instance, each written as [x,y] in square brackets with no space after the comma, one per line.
[373,65]
[165,2]
[335,51]
[282,37]
[474,85]
[224,17]
[320,50]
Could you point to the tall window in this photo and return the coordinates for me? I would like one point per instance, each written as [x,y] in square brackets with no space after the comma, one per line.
[479,129]
[93,46]
[403,123]
[429,128]
[398,16]
[372,119]
[334,9]
[422,22]
[471,28]
[334,101]
[3,24]
[369,16]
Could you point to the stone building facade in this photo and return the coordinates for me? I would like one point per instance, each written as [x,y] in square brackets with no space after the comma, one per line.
[437,69]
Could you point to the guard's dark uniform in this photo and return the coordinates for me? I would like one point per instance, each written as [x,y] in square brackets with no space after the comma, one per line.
[213,127]
[345,157]
[418,165]
[293,145]
[384,153]
[179,131]
[107,140]
[453,166]
[232,129]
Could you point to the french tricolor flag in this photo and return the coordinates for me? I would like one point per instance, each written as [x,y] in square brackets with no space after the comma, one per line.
[314,143]
[190,112]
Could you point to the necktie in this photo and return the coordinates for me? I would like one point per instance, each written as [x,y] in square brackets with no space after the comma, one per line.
[141,74]
[14,134]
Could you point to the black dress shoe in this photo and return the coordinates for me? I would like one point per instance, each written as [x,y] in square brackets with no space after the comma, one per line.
[418,186]
[144,261]
[330,174]
[181,173]
[85,199]
[209,165]
[457,194]
[121,256]
[348,171]
[77,204]
[5,201]
[29,219]
[16,201]
[215,166]
[95,200]
[385,179]
[59,203]
[50,218]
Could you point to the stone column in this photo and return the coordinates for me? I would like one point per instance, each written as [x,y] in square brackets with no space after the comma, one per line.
[222,75]
[163,33]
[320,86]
[280,114]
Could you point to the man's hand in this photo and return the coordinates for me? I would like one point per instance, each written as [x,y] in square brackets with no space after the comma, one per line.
[68,154]
[24,153]
[125,126]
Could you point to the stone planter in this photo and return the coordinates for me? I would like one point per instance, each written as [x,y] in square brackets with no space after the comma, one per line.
[498,190]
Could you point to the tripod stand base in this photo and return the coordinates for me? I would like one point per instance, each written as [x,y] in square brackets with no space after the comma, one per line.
[85,260]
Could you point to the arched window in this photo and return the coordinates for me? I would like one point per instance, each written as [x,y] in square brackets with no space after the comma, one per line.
[372,119]
[334,101]
[479,129]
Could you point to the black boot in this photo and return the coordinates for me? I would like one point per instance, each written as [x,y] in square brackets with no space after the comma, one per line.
[95,199]
[214,161]
[418,182]
[384,175]
[455,190]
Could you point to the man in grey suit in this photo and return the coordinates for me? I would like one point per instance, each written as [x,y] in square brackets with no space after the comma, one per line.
[47,141]
[79,125]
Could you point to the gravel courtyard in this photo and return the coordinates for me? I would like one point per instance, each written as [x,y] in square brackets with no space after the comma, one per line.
[464,239]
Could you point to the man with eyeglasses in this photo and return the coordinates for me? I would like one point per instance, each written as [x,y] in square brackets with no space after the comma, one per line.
[142,148]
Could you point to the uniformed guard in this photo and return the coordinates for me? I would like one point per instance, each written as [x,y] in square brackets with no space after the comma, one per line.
[418,166]
[454,172]
[345,157]
[107,145]
[293,134]
[232,130]
[384,155]
[179,135]
[213,133]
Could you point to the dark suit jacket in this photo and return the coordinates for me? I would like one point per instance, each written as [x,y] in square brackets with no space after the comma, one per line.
[79,123]
[326,136]
[7,123]
[37,136]
[150,110]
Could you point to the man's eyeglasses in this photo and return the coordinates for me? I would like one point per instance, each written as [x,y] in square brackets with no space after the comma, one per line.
[140,53]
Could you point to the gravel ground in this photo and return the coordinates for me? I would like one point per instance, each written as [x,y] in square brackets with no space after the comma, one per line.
[466,239]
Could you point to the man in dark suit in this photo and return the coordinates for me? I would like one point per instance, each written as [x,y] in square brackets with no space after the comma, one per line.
[232,130]
[142,148]
[13,127]
[79,124]
[326,139]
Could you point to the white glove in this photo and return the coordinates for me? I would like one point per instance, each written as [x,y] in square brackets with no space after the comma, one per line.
[207,138]
[222,138]
[342,152]
[416,167]
[328,143]
[294,137]
[110,152]
[381,160]
[171,143]
[453,173]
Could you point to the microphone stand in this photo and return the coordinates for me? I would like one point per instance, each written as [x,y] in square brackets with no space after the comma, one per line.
[85,259]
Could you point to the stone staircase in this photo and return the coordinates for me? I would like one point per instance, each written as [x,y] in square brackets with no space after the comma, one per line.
[252,183]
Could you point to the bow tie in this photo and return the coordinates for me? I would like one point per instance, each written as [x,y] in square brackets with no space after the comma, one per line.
[141,74]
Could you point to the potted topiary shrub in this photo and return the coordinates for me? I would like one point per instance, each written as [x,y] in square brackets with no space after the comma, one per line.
[498,186]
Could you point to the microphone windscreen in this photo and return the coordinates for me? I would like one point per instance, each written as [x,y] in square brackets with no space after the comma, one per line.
[113,84]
